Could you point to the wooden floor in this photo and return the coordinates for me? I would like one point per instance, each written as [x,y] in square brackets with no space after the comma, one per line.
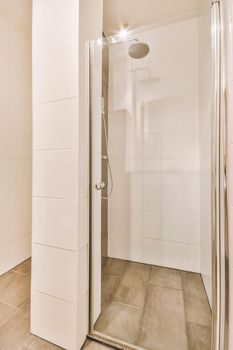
[15,313]
[154,308]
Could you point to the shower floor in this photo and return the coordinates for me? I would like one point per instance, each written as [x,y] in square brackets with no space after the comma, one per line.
[153,307]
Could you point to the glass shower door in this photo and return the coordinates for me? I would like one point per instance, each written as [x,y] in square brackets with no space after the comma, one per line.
[151,286]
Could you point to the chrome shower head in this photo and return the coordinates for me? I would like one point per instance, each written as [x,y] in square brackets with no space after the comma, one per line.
[138,50]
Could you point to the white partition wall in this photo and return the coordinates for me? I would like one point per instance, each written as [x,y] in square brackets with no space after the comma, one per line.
[15,142]
[60,181]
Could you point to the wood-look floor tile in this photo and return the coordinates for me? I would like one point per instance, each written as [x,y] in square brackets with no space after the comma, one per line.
[108,283]
[163,324]
[14,334]
[40,344]
[119,321]
[197,307]
[8,279]
[114,266]
[166,277]
[199,337]
[24,267]
[5,312]
[18,293]
[132,286]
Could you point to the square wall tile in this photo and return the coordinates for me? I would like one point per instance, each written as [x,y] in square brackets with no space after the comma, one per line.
[125,222]
[124,197]
[56,174]
[61,32]
[56,76]
[5,201]
[55,222]
[54,272]
[56,125]
[5,229]
[20,224]
[153,225]
[53,320]
[125,247]
[20,250]
[153,200]
[4,259]
[83,235]
[181,228]
[153,252]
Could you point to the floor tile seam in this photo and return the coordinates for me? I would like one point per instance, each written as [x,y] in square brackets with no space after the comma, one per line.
[20,273]
[118,280]
[7,304]
[164,286]
[144,306]
[17,307]
[11,285]
[127,305]
[199,325]
[12,315]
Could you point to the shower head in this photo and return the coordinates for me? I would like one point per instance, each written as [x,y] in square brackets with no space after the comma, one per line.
[138,50]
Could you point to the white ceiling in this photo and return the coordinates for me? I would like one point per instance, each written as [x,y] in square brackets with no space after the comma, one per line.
[137,13]
[19,12]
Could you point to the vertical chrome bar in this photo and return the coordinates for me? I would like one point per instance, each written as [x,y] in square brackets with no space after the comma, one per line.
[219,190]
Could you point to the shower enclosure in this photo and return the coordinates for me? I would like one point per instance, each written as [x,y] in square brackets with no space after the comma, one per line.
[157,154]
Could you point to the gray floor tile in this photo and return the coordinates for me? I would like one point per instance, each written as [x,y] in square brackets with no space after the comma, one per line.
[115,266]
[199,337]
[197,307]
[104,261]
[108,283]
[119,321]
[163,324]
[132,287]
[165,277]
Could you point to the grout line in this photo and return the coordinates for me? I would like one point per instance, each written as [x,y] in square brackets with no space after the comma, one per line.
[17,310]
[127,305]
[58,198]
[10,286]
[55,247]
[54,297]
[55,100]
[144,305]
[7,304]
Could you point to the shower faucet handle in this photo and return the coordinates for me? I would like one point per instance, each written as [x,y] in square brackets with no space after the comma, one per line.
[100,186]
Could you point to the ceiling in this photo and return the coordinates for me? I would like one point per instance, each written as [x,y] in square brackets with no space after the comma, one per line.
[18,12]
[138,13]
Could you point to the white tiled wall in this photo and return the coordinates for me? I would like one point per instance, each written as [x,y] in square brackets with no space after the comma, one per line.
[15,145]
[228,21]
[55,171]
[154,212]
[60,168]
